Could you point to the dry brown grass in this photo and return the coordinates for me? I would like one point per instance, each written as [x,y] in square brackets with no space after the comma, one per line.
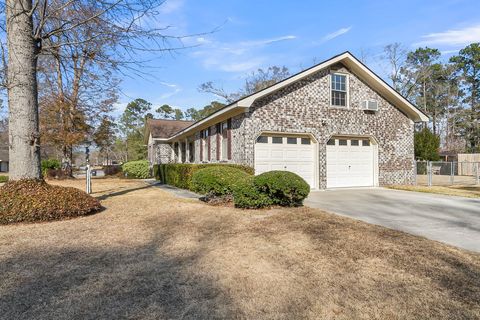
[460,191]
[152,256]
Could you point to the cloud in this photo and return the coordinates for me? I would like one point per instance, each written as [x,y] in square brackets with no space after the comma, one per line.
[454,37]
[335,34]
[170,6]
[175,89]
[239,56]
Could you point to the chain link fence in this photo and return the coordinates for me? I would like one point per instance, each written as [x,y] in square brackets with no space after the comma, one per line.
[442,173]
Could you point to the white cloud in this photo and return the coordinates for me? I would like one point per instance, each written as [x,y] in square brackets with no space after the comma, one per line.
[175,89]
[335,34]
[454,37]
[239,56]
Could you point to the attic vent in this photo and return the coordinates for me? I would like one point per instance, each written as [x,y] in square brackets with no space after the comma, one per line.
[371,105]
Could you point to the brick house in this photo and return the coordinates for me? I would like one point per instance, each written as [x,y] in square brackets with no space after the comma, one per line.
[336,124]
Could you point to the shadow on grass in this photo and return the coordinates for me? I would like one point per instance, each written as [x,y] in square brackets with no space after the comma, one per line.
[122,192]
[134,283]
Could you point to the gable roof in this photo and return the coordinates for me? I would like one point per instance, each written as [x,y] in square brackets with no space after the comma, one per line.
[347,59]
[164,128]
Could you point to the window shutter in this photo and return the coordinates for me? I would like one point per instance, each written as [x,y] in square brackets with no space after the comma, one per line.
[229,139]
[209,147]
[219,125]
[201,145]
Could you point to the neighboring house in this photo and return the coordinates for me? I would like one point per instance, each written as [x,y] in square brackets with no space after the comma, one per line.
[4,160]
[336,124]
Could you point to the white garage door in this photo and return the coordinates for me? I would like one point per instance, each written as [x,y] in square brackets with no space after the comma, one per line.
[350,163]
[287,153]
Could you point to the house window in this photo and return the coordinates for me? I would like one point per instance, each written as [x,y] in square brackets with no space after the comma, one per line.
[277,140]
[224,131]
[354,142]
[262,139]
[305,140]
[342,142]
[291,140]
[339,90]
[366,143]
[331,142]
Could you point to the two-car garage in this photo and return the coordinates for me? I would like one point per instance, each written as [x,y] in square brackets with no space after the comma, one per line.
[350,161]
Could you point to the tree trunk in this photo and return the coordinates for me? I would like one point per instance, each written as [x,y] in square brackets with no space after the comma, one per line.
[24,135]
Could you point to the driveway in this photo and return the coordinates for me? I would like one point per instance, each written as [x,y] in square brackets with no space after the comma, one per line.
[453,220]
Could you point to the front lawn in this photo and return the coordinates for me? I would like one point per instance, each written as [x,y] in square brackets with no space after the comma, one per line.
[150,255]
[461,191]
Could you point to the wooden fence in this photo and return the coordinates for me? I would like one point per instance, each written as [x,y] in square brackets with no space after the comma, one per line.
[466,166]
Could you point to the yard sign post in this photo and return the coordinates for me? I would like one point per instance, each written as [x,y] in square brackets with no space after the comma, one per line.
[88,171]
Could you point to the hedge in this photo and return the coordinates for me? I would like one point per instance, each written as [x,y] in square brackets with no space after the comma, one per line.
[246,195]
[283,187]
[180,174]
[48,164]
[137,169]
[3,179]
[217,180]
[35,200]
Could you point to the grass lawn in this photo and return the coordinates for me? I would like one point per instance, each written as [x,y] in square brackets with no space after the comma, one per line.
[461,191]
[152,256]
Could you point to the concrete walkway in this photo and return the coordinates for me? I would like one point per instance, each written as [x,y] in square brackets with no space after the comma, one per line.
[181,193]
[453,220]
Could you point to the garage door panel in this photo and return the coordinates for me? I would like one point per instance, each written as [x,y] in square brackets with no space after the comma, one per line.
[297,158]
[350,165]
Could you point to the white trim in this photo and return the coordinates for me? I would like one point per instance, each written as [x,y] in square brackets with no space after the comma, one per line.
[349,61]
[347,90]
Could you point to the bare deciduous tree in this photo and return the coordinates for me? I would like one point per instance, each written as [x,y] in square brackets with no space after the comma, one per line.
[109,32]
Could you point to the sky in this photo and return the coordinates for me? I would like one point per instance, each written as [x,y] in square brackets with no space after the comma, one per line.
[225,41]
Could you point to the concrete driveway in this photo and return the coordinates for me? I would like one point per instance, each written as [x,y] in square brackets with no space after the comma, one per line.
[453,220]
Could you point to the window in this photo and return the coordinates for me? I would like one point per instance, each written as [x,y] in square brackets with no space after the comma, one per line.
[365,143]
[339,90]
[354,142]
[204,141]
[224,131]
[305,140]
[262,139]
[291,140]
[342,142]
[331,142]
[277,140]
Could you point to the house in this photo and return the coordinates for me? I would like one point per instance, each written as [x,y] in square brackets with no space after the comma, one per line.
[4,160]
[336,124]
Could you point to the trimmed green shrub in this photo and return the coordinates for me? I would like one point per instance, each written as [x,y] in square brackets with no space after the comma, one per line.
[50,164]
[36,200]
[180,174]
[216,180]
[246,195]
[3,179]
[137,169]
[283,187]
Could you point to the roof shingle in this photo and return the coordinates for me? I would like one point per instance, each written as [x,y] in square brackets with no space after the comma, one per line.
[164,128]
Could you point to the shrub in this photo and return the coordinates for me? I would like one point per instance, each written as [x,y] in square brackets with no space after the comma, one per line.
[283,187]
[35,200]
[3,179]
[246,195]
[50,164]
[180,174]
[137,169]
[56,174]
[216,180]
[112,170]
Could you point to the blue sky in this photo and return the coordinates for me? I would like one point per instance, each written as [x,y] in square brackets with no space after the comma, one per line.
[258,34]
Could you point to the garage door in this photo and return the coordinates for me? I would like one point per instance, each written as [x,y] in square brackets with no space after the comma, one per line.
[287,153]
[350,163]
